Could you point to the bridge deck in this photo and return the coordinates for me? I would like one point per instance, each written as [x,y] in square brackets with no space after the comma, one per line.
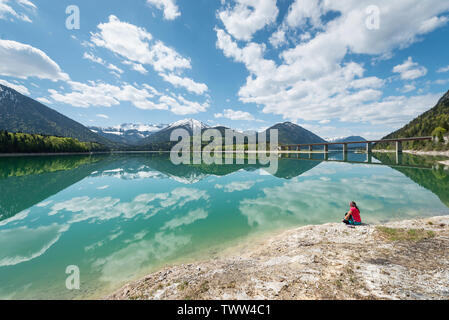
[360,142]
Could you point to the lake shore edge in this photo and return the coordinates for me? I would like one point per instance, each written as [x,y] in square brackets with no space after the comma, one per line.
[416,152]
[330,261]
[11,155]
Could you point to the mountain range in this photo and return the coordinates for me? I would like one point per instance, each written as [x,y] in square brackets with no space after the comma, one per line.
[128,133]
[23,114]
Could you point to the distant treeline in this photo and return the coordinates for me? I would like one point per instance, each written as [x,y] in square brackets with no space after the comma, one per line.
[35,143]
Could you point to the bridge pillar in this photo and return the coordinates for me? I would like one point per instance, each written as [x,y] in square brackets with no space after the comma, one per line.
[369,148]
[398,147]
[310,148]
[398,158]
[369,157]
[326,148]
[345,148]
[298,148]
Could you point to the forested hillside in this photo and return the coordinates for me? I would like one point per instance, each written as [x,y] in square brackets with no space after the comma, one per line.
[35,143]
[434,122]
[23,114]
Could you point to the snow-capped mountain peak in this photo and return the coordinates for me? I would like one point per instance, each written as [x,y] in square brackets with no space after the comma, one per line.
[191,123]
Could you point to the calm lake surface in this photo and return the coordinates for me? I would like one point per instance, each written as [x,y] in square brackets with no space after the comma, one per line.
[119,217]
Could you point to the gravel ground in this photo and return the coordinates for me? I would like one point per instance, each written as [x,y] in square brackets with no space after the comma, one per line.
[329,261]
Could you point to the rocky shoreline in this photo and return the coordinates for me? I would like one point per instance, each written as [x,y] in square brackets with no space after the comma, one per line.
[400,260]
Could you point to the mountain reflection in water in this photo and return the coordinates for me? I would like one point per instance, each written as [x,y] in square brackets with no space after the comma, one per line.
[119,216]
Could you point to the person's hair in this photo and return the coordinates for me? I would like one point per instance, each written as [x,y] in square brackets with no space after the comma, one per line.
[353,204]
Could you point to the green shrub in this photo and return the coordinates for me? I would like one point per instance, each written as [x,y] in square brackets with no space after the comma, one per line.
[439,133]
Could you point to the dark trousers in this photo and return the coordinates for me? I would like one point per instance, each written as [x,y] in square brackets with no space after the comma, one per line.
[351,221]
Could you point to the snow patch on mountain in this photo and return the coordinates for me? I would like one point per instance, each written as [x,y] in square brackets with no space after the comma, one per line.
[141,130]
[7,94]
[335,139]
[140,127]
[191,123]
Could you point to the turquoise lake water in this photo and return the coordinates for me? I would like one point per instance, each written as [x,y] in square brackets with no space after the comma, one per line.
[119,217]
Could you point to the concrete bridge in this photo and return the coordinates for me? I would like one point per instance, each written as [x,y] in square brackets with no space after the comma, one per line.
[369,144]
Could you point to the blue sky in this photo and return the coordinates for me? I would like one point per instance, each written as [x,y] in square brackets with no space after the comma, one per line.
[337,68]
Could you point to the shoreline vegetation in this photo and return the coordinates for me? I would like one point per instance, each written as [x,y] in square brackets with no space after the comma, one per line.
[399,260]
[20,144]
[24,143]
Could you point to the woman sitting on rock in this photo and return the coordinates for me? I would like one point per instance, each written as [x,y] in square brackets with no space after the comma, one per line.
[353,216]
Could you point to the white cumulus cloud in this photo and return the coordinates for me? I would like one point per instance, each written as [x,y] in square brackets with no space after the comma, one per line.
[189,84]
[145,97]
[305,11]
[9,11]
[181,106]
[443,69]
[137,45]
[235,115]
[410,70]
[23,61]
[320,77]
[248,16]
[171,10]
[98,93]
[278,38]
